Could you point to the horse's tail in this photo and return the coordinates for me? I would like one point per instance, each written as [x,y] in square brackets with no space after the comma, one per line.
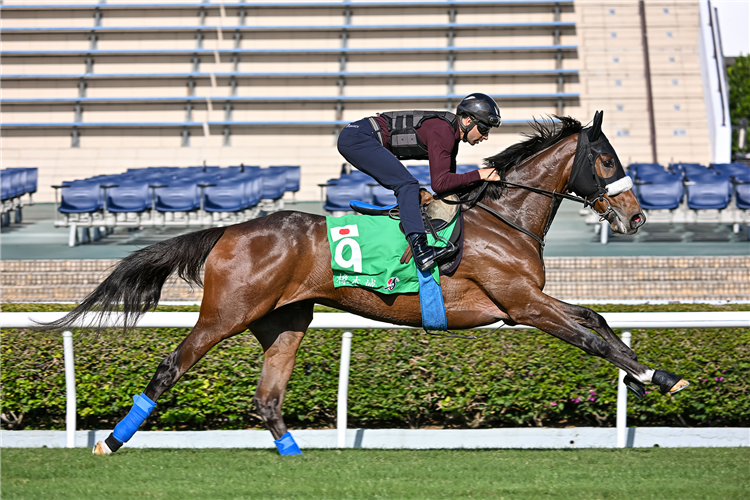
[135,284]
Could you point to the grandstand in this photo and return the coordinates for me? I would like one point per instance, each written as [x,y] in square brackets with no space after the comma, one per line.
[95,88]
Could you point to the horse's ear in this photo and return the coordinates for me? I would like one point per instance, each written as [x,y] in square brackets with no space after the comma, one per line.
[596,128]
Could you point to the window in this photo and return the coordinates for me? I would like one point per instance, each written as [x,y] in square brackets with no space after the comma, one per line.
[613,34]
[675,82]
[618,83]
[615,60]
[623,133]
[680,132]
[671,59]
[669,34]
[665,10]
[676,107]
[620,107]
[611,12]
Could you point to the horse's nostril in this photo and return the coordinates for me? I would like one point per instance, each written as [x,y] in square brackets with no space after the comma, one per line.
[637,220]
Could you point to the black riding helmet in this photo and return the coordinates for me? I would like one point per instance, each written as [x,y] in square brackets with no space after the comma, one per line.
[483,109]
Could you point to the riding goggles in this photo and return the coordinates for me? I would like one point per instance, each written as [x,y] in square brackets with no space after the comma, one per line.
[484,129]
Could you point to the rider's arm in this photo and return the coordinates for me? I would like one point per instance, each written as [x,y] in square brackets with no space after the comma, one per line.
[442,147]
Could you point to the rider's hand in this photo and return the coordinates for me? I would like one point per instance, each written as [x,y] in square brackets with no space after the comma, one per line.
[489,174]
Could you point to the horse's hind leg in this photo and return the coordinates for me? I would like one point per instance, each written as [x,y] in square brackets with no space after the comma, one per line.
[211,328]
[279,333]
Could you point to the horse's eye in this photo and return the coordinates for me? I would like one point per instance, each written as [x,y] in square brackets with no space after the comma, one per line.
[608,163]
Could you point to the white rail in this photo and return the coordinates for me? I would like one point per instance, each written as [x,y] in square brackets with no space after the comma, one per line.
[348,322]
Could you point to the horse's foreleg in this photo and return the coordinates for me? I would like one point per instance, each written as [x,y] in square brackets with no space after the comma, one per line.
[596,322]
[553,317]
[280,334]
[210,330]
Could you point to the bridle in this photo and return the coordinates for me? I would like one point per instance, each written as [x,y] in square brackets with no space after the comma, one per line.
[557,198]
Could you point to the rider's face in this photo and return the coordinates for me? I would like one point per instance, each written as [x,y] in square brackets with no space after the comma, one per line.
[474,136]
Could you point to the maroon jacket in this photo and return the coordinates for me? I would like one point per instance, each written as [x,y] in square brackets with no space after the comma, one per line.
[442,147]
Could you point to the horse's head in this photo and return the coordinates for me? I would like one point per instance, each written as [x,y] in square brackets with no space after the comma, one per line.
[598,176]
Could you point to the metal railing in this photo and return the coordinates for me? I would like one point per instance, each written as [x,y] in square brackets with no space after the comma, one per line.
[348,322]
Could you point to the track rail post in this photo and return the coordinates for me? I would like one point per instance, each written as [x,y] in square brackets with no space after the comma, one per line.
[70,389]
[346,354]
[622,401]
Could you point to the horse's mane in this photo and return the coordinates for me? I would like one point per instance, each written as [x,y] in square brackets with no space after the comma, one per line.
[547,132]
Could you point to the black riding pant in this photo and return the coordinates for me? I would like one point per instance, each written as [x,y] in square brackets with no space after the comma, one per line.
[358,143]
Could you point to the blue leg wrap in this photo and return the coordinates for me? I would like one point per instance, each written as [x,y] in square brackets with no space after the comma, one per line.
[287,446]
[138,413]
[431,301]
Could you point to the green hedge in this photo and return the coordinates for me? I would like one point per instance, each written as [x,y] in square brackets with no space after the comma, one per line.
[401,379]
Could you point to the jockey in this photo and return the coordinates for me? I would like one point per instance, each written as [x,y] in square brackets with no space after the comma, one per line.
[375,145]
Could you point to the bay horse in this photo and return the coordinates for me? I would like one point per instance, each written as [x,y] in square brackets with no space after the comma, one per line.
[267,274]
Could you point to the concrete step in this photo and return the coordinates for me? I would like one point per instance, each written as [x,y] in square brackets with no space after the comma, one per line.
[741,275]
[568,278]
[75,293]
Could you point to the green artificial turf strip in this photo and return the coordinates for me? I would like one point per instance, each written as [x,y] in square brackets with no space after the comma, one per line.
[652,473]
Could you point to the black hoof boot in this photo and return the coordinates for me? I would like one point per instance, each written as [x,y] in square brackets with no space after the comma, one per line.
[669,383]
[425,256]
[635,386]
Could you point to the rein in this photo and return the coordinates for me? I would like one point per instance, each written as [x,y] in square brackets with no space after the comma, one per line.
[556,200]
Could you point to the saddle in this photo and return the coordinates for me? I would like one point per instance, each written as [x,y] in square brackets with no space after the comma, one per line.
[436,215]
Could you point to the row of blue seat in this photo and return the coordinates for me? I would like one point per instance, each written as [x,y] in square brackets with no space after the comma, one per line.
[17,182]
[175,189]
[706,188]
[360,186]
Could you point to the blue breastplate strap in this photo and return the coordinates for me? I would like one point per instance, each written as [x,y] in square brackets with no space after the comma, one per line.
[287,445]
[140,411]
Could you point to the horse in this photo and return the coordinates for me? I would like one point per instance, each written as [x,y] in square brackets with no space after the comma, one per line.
[265,275]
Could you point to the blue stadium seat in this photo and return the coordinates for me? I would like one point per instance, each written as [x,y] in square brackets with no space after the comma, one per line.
[252,182]
[274,183]
[82,196]
[345,189]
[293,175]
[739,175]
[737,172]
[132,195]
[742,196]
[658,190]
[382,197]
[6,180]
[20,181]
[179,195]
[227,195]
[707,189]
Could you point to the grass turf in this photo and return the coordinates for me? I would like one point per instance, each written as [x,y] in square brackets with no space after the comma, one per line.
[653,473]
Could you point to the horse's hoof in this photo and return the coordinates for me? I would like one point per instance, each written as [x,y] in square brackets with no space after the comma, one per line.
[101,448]
[669,383]
[637,388]
[680,385]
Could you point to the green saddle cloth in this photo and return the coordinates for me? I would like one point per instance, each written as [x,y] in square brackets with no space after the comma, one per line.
[366,252]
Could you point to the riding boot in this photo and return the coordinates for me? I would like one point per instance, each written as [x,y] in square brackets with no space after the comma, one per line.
[425,255]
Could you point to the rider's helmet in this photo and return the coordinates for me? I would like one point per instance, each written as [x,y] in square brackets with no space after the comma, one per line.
[483,109]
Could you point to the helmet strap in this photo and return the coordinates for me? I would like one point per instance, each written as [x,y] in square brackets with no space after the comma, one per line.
[466,129]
